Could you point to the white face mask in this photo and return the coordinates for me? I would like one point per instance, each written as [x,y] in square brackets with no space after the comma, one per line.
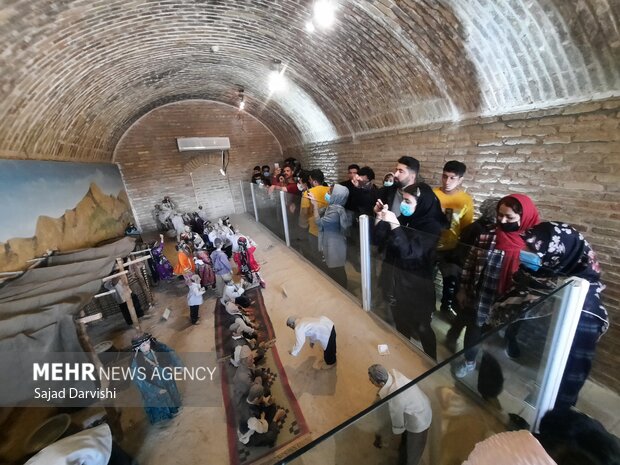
[301,187]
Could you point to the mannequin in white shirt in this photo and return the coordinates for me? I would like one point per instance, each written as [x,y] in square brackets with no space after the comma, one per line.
[321,330]
[410,412]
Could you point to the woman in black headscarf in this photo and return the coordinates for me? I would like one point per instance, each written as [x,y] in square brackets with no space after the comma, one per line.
[564,252]
[410,241]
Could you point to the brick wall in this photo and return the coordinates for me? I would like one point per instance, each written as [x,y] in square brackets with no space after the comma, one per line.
[567,159]
[152,166]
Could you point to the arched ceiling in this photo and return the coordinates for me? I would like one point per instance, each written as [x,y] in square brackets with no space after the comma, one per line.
[77,73]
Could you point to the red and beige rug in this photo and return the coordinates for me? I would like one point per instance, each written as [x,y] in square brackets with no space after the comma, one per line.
[294,431]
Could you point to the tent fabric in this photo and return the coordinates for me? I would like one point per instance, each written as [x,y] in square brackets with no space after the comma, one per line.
[37,309]
[18,352]
[41,281]
[42,287]
[120,248]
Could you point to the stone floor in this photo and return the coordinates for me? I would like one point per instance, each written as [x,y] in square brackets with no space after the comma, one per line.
[327,398]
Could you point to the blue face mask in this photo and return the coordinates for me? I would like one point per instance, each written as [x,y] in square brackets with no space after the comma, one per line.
[406,209]
[328,197]
[530,260]
[265,173]
[388,183]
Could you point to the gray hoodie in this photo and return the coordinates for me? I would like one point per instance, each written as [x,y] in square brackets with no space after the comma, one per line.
[333,227]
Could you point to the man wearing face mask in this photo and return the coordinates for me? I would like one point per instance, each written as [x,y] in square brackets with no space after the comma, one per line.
[266,175]
[362,192]
[407,275]
[362,198]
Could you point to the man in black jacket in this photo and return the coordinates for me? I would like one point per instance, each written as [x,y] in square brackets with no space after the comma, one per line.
[406,173]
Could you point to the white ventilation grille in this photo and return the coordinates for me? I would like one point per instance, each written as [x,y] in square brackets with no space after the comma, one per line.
[187,144]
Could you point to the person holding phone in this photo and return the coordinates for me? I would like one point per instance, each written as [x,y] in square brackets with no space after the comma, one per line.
[410,241]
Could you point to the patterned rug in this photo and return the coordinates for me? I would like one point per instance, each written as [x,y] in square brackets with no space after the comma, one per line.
[293,428]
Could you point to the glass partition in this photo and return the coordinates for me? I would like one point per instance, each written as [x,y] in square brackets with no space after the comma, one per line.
[405,295]
[441,415]
[246,196]
[269,209]
[330,240]
[412,288]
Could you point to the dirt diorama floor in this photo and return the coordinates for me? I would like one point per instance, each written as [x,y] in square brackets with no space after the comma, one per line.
[326,398]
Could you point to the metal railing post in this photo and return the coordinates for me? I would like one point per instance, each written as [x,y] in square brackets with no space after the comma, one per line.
[285,218]
[252,189]
[245,207]
[364,222]
[564,324]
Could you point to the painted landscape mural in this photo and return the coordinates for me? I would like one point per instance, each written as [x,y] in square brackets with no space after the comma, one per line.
[57,206]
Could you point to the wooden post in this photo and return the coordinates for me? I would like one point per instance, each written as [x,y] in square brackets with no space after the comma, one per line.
[132,310]
[112,413]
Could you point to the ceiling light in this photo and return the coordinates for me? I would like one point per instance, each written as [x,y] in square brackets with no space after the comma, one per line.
[241,98]
[310,27]
[277,81]
[324,13]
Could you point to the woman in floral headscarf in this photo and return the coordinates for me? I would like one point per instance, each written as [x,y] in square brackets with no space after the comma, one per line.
[564,252]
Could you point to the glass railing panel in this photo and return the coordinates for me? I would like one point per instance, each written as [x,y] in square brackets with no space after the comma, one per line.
[521,349]
[402,262]
[329,240]
[246,196]
[445,415]
[269,210]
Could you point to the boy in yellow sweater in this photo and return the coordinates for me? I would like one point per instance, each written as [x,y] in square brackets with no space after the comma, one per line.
[458,206]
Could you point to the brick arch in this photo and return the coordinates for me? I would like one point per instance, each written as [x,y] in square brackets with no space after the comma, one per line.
[75,75]
[200,160]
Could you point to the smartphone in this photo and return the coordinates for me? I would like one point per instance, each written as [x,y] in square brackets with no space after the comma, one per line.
[276,165]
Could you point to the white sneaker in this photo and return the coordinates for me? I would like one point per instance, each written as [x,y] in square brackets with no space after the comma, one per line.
[462,369]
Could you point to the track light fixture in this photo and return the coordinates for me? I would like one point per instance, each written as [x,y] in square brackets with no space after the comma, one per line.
[241,99]
[225,161]
[277,81]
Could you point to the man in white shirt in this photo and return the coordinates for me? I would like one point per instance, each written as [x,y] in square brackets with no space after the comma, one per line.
[410,412]
[321,330]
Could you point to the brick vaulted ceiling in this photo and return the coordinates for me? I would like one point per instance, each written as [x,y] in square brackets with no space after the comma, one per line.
[77,73]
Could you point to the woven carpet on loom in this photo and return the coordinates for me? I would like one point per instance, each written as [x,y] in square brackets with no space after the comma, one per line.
[293,428]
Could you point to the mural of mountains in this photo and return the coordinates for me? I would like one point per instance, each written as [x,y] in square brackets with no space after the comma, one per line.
[95,218]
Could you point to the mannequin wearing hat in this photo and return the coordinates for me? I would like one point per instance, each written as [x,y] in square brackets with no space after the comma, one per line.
[243,255]
[160,395]
[235,293]
[185,262]
[258,417]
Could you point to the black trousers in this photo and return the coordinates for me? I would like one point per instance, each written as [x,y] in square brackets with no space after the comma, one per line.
[466,318]
[136,306]
[338,274]
[193,313]
[329,354]
[411,447]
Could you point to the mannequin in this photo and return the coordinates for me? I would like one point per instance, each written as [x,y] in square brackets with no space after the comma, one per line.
[161,396]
